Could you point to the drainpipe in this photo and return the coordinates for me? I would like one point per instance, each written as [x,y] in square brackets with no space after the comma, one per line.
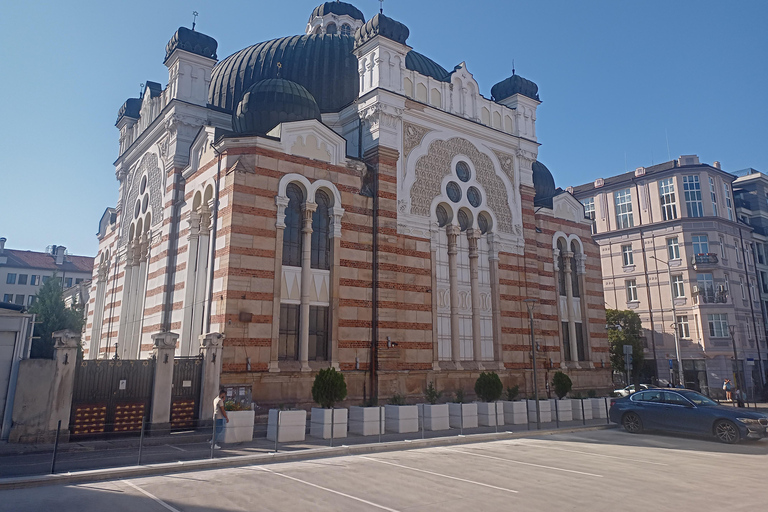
[212,257]
[751,306]
[375,287]
[648,284]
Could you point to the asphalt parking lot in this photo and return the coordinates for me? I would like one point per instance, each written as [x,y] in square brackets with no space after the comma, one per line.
[593,470]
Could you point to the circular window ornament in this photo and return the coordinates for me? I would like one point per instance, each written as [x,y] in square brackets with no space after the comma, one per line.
[474,197]
[463,172]
[442,216]
[482,223]
[454,191]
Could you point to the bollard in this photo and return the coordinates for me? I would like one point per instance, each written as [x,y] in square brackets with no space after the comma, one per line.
[527,416]
[557,414]
[332,414]
[496,415]
[277,430]
[379,423]
[213,437]
[607,419]
[583,419]
[461,419]
[55,448]
[141,440]
[422,421]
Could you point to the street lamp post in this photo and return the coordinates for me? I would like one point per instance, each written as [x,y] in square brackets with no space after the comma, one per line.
[675,326]
[529,303]
[739,377]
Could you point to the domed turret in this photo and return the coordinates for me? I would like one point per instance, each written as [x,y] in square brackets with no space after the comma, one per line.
[544,184]
[384,26]
[270,102]
[515,85]
[339,9]
[193,42]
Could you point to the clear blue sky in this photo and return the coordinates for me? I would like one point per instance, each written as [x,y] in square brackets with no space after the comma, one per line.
[614,76]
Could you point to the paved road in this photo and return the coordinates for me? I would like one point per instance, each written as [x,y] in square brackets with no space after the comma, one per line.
[605,470]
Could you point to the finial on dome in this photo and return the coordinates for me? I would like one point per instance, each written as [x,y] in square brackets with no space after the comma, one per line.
[194,19]
[381,6]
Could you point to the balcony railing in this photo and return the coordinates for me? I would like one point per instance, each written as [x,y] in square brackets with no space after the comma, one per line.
[712,297]
[704,259]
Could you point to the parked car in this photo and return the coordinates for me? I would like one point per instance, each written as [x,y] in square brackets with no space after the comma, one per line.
[683,410]
[631,389]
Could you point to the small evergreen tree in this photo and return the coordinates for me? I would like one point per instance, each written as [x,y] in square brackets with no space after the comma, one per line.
[562,384]
[51,315]
[488,387]
[513,392]
[329,387]
[432,394]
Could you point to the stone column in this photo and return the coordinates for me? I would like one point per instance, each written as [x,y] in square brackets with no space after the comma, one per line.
[493,258]
[453,277]
[162,387]
[569,301]
[141,288]
[65,354]
[306,281]
[200,274]
[188,341]
[477,349]
[274,352]
[335,213]
[211,348]
[125,299]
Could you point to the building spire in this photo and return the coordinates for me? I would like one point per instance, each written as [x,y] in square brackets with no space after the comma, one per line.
[381,6]
[194,19]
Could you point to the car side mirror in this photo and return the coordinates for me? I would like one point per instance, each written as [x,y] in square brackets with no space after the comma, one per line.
[690,405]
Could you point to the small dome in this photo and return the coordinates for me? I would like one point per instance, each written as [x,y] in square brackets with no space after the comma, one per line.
[270,102]
[515,85]
[384,26]
[339,9]
[193,42]
[544,184]
[422,64]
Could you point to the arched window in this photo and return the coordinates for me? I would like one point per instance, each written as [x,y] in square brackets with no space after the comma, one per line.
[574,269]
[346,30]
[292,232]
[321,227]
[330,28]
[561,266]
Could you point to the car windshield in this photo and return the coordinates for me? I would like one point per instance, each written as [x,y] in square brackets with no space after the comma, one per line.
[698,399]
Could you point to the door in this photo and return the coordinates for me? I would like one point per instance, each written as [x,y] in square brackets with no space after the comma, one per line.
[650,407]
[679,414]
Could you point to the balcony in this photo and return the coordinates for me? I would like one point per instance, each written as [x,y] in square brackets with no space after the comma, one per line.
[704,260]
[711,297]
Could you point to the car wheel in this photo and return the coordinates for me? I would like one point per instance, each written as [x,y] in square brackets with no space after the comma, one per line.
[727,432]
[632,423]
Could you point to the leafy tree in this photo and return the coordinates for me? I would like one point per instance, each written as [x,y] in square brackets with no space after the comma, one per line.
[562,384]
[624,328]
[329,388]
[52,315]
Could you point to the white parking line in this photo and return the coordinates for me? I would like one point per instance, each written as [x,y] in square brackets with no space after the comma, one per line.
[439,474]
[382,507]
[539,445]
[524,463]
[150,495]
[175,447]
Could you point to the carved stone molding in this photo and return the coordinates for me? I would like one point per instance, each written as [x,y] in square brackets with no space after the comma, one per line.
[282,204]
[412,136]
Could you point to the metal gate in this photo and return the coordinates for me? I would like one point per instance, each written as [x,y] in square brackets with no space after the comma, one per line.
[111,396]
[185,395]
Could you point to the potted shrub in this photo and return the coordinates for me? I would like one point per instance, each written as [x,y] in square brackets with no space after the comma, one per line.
[239,429]
[489,388]
[401,418]
[460,414]
[562,385]
[366,420]
[287,426]
[515,412]
[328,389]
[434,416]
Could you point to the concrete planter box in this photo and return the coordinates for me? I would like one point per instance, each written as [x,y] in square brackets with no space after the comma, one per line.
[434,417]
[490,414]
[598,407]
[462,415]
[240,427]
[576,408]
[545,411]
[320,423]
[293,425]
[365,421]
[563,408]
[402,419]
[515,413]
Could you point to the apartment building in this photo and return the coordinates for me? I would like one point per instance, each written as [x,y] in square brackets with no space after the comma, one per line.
[676,249]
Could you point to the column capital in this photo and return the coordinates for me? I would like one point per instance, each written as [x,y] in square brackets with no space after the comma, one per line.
[336,213]
[65,339]
[211,340]
[556,258]
[282,203]
[164,340]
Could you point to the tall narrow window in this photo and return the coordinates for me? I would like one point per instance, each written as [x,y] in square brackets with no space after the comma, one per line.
[713,195]
[627,257]
[292,234]
[683,329]
[700,244]
[728,201]
[10,278]
[673,248]
[738,252]
[624,217]
[580,342]
[566,341]
[321,240]
[722,248]
[318,333]
[288,347]
[706,287]
[575,270]
[678,288]
[631,285]
[589,211]
[561,266]
[743,290]
[667,196]
[692,190]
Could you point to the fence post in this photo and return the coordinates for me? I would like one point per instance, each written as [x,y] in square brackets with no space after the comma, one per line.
[422,420]
[496,415]
[461,419]
[333,410]
[583,418]
[141,439]
[607,419]
[277,429]
[162,386]
[55,448]
[379,423]
[557,414]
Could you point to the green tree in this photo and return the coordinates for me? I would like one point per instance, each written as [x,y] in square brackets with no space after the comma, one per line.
[562,384]
[52,315]
[624,328]
[329,388]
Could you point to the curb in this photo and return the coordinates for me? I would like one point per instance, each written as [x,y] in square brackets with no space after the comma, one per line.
[165,468]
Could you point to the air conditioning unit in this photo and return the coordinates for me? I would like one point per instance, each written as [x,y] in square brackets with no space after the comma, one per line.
[695,290]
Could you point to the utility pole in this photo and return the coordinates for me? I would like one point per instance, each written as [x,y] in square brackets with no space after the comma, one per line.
[739,377]
[529,304]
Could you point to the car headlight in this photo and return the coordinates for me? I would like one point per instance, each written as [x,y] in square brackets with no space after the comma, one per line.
[748,421]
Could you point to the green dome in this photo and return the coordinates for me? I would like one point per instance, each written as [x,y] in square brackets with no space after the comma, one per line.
[270,102]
